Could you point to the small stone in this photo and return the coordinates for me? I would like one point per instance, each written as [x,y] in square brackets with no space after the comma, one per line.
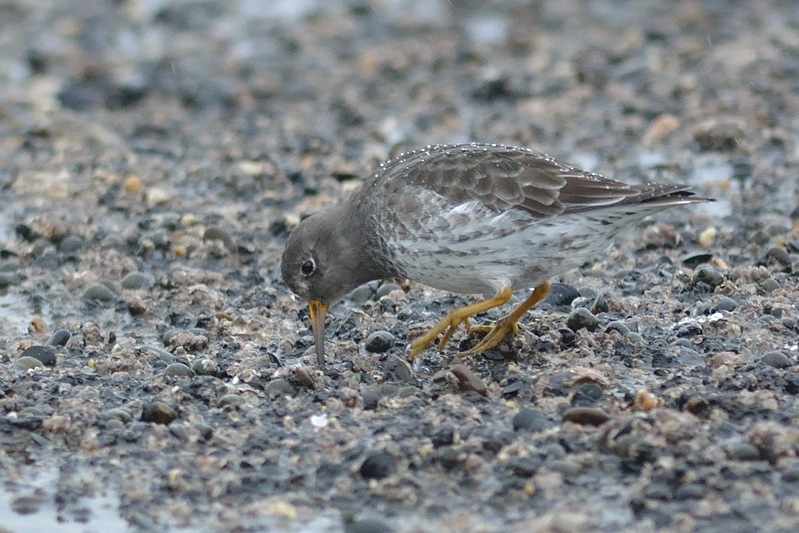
[581,318]
[368,525]
[370,397]
[780,257]
[586,416]
[561,294]
[215,233]
[586,394]
[59,337]
[279,387]
[379,342]
[134,280]
[378,465]
[231,400]
[27,362]
[709,275]
[158,412]
[725,303]
[70,244]
[468,379]
[178,370]
[743,451]
[205,367]
[719,133]
[132,184]
[45,354]
[362,294]
[618,325]
[97,292]
[7,279]
[530,420]
[567,336]
[769,285]
[775,358]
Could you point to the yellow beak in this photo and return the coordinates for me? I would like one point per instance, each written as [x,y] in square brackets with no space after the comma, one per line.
[318,311]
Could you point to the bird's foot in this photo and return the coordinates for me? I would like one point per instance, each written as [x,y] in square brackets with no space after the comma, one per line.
[493,334]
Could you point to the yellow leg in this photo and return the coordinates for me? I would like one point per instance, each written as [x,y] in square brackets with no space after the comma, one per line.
[507,324]
[457,317]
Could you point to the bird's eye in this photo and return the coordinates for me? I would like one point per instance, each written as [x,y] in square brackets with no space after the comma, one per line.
[308,267]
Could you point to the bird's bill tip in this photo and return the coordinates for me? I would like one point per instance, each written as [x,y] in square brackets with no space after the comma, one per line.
[318,310]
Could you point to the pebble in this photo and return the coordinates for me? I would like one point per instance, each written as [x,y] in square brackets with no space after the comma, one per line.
[27,362]
[370,396]
[378,465]
[567,336]
[769,285]
[59,337]
[97,292]
[530,420]
[775,358]
[709,275]
[70,244]
[743,451]
[581,318]
[122,414]
[134,280]
[215,233]
[45,354]
[561,294]
[468,379]
[233,400]
[362,294]
[379,342]
[618,325]
[586,416]
[279,387]
[586,394]
[178,370]
[158,412]
[368,525]
[205,367]
[778,256]
[725,303]
[7,279]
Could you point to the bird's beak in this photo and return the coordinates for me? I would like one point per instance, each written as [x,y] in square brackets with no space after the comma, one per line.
[318,312]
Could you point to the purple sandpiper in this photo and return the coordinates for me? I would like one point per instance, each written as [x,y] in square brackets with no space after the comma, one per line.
[466,218]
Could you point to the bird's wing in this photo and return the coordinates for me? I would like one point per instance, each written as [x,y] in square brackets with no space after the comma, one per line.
[505,178]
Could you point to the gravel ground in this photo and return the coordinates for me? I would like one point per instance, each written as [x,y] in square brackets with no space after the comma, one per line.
[156,374]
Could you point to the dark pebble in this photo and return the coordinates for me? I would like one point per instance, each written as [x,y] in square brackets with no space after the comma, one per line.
[7,279]
[205,367]
[59,338]
[279,387]
[567,336]
[370,396]
[97,292]
[708,275]
[587,394]
[769,285]
[692,491]
[215,233]
[468,379]
[561,294]
[378,465]
[581,318]
[45,354]
[368,525]
[178,370]
[618,325]
[530,420]
[158,412]
[725,303]
[362,294]
[122,414]
[743,451]
[70,244]
[568,469]
[134,280]
[776,358]
[379,342]
[398,369]
[586,416]
[791,473]
[778,256]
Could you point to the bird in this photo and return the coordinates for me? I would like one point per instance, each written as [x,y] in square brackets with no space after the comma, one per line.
[467,218]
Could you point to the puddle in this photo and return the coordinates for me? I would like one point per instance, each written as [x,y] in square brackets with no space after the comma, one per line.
[30,506]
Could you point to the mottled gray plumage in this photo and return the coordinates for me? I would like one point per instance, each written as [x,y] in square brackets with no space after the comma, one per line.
[469,218]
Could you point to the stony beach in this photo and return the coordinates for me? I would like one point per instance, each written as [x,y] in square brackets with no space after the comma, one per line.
[157,375]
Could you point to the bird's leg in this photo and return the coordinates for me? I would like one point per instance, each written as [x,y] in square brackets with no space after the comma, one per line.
[507,324]
[457,317]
